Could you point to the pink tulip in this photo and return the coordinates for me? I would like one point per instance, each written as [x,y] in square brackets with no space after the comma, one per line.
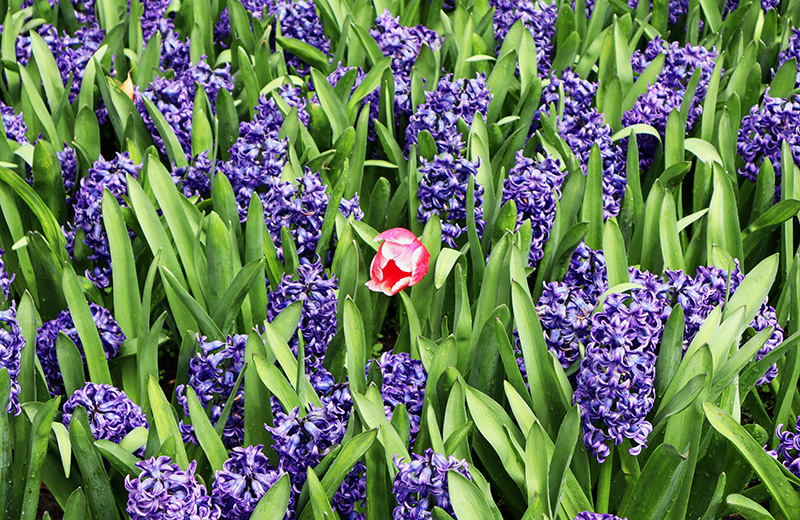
[401,261]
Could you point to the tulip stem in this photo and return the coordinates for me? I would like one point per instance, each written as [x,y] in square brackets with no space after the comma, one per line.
[604,484]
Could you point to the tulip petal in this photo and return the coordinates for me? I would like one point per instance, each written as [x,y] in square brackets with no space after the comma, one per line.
[398,235]
[421,262]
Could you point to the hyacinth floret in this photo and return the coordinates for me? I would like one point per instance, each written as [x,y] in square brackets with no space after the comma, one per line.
[213,373]
[110,175]
[11,344]
[439,115]
[112,415]
[352,493]
[587,269]
[538,16]
[404,382]
[6,278]
[577,93]
[111,337]
[443,192]
[535,187]
[421,484]
[789,447]
[244,478]
[163,491]
[14,124]
[194,180]
[763,132]
[302,441]
[317,290]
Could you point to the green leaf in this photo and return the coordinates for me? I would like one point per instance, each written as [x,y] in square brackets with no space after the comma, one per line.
[163,419]
[121,459]
[320,503]
[275,502]
[614,251]
[95,479]
[592,208]
[96,360]
[356,346]
[331,104]
[127,305]
[352,451]
[307,53]
[467,500]
[47,179]
[69,363]
[76,505]
[6,470]
[37,450]
[647,501]
[206,436]
[568,435]
[765,466]
[175,152]
[747,508]
[39,108]
[207,325]
[671,249]
[277,383]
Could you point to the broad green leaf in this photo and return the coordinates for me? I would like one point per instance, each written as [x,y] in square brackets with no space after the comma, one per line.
[163,419]
[467,500]
[275,502]
[99,495]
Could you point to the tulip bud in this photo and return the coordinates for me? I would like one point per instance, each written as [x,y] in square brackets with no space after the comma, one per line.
[402,261]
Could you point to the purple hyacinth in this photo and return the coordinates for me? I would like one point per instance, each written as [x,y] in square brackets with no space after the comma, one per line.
[212,375]
[763,132]
[402,43]
[174,98]
[535,187]
[11,345]
[195,180]
[578,93]
[352,493]
[313,286]
[586,515]
[732,5]
[163,491]
[587,269]
[439,115]
[298,19]
[112,414]
[421,484]
[302,441]
[443,192]
[615,393]
[69,171]
[789,447]
[404,382]
[14,124]
[565,312]
[111,337]
[660,99]
[154,17]
[6,278]
[373,98]
[244,478]
[102,175]
[791,51]
[537,16]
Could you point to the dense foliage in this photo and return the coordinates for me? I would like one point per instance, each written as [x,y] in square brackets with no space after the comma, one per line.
[373,259]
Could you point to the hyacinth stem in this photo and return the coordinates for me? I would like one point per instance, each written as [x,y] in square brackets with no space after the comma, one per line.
[604,484]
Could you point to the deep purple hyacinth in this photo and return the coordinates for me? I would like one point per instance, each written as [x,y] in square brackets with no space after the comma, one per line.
[789,447]
[102,175]
[578,93]
[764,130]
[163,491]
[732,5]
[452,99]
[6,278]
[244,478]
[69,171]
[443,192]
[421,484]
[112,414]
[14,124]
[535,187]
[404,382]
[111,337]
[302,441]
[791,51]
[11,345]
[313,286]
[660,99]
[352,494]
[212,375]
[194,180]
[402,43]
[587,269]
[586,515]
[298,19]
[174,98]
[615,392]
[565,312]
[537,16]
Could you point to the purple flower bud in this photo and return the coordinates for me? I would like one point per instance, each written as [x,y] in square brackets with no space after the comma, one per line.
[14,124]
[244,478]
[421,484]
[537,16]
[404,382]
